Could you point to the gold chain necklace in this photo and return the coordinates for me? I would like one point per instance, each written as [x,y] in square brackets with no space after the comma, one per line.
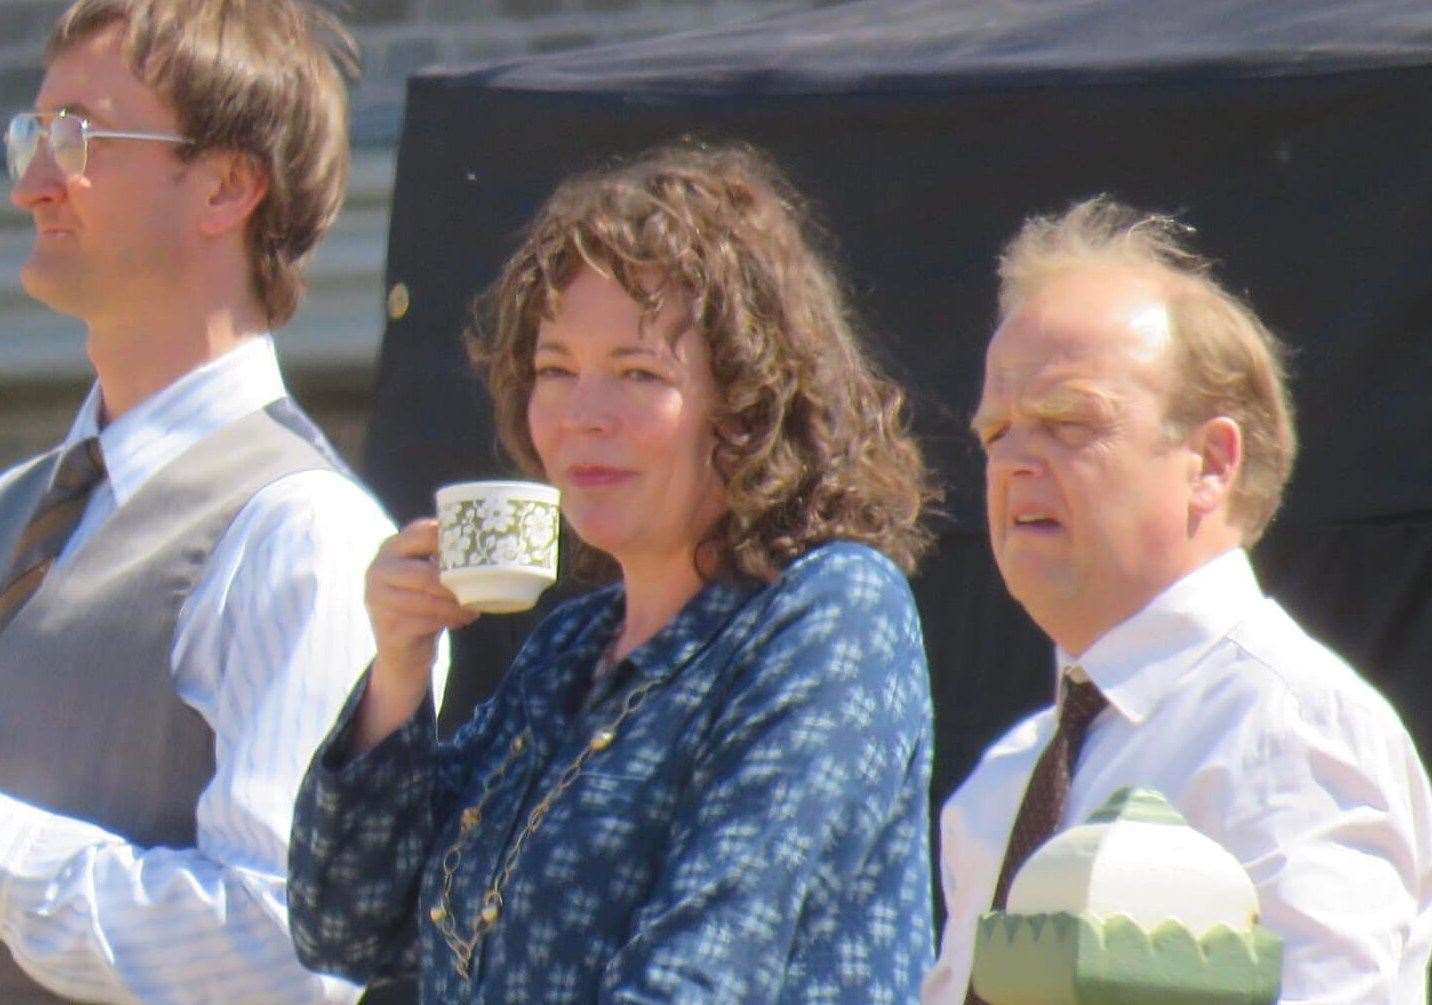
[442,914]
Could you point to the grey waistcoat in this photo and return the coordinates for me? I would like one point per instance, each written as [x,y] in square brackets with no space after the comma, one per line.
[90,725]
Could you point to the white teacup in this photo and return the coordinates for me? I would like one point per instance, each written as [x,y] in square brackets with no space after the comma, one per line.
[497,543]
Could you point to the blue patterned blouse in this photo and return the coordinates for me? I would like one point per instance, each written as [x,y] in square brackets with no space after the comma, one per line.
[756,829]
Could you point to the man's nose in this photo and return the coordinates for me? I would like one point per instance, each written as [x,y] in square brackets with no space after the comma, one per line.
[40,182]
[1015,451]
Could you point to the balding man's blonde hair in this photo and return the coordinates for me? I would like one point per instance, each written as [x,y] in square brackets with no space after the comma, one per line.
[1226,362]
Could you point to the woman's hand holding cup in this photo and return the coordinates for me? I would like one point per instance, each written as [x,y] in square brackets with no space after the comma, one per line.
[408,608]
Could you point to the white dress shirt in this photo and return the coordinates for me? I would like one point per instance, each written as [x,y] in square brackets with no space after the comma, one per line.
[267,647]
[1266,742]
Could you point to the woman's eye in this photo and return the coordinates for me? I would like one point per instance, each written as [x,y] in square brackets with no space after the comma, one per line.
[550,370]
[641,374]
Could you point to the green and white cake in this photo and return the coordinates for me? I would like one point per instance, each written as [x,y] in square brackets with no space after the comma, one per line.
[1134,907]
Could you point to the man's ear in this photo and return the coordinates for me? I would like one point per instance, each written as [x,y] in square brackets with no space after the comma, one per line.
[1219,446]
[235,185]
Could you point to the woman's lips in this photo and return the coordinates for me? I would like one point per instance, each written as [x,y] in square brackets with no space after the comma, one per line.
[590,476]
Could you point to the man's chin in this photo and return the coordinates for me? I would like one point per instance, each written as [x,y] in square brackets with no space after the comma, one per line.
[51,285]
[1037,584]
[1034,559]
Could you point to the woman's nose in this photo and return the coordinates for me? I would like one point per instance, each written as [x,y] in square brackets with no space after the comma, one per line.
[590,405]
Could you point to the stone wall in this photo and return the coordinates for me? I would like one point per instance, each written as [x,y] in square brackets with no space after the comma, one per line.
[330,346]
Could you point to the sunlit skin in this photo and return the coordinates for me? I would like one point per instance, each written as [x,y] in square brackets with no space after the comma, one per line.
[1094,506]
[148,251]
[621,415]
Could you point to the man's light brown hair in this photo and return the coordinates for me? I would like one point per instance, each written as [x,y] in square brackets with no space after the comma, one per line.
[1226,362]
[262,77]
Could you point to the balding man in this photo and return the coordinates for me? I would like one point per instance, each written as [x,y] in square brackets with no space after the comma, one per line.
[1138,435]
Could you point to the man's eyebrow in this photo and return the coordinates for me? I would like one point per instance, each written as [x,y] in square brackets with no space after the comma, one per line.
[1077,399]
[982,419]
[1073,399]
[76,108]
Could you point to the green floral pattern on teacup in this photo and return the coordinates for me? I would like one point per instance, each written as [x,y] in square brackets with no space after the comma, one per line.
[498,531]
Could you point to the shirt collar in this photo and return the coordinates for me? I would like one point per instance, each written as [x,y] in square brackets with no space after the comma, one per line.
[550,689]
[692,629]
[140,443]
[1139,661]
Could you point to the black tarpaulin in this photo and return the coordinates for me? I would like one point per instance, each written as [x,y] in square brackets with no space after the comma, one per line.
[938,45]
[1293,136]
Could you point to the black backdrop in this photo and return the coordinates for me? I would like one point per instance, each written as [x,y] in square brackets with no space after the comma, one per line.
[1293,135]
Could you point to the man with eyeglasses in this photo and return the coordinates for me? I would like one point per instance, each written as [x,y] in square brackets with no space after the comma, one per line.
[181,611]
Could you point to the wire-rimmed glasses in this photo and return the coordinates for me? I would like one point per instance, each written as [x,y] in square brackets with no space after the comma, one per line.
[68,135]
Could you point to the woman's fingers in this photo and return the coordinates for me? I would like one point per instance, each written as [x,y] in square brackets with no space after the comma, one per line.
[419,539]
[407,604]
[407,560]
[407,574]
[400,603]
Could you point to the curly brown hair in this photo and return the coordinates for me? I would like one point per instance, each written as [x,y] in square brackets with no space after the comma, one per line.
[812,441]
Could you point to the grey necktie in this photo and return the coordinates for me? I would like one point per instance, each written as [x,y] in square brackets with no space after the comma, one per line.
[60,509]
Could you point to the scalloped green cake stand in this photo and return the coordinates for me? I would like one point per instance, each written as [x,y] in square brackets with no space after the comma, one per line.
[1088,958]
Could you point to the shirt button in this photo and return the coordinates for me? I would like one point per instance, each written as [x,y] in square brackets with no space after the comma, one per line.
[469,819]
[399,300]
[518,743]
[602,739]
[437,914]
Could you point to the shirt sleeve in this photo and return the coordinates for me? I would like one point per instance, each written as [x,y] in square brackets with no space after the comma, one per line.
[267,646]
[939,984]
[798,867]
[1331,819]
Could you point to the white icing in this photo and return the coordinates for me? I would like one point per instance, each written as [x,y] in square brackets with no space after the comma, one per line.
[1151,872]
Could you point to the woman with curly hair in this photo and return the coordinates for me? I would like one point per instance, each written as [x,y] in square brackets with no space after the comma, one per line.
[708,780]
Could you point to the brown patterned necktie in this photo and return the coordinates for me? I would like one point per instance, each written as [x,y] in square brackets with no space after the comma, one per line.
[55,518]
[1044,798]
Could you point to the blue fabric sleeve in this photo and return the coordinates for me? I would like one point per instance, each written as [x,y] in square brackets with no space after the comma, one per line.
[361,833]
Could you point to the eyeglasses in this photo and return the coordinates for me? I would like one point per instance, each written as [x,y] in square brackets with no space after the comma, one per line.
[68,135]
